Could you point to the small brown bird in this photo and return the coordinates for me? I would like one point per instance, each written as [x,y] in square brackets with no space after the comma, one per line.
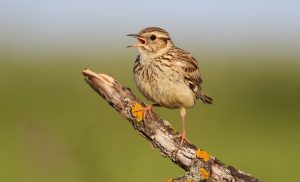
[166,74]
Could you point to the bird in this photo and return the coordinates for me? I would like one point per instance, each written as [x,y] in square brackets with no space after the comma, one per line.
[167,75]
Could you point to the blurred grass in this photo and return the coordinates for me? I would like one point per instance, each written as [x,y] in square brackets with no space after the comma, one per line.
[55,128]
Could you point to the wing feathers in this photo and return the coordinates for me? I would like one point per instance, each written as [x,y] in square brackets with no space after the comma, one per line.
[190,69]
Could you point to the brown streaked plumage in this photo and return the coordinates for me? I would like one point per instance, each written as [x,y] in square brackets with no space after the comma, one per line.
[166,74]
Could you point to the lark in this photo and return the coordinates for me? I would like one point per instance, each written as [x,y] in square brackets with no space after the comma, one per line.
[165,74]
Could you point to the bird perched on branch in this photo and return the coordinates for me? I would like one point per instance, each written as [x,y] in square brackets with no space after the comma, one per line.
[166,74]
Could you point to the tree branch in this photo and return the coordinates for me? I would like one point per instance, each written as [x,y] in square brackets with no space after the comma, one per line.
[198,164]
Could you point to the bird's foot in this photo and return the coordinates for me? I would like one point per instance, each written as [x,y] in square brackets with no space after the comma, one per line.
[183,139]
[148,110]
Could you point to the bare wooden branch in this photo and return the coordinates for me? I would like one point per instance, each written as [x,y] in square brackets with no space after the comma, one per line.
[198,164]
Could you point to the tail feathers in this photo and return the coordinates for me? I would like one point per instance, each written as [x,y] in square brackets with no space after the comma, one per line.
[205,98]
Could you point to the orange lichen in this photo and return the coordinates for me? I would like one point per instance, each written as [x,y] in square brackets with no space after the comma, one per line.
[138,112]
[203,173]
[169,180]
[201,154]
[188,180]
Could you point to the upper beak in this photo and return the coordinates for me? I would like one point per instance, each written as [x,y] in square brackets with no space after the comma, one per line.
[133,35]
[140,39]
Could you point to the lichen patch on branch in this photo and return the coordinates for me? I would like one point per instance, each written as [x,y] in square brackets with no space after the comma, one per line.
[204,174]
[169,180]
[201,154]
[138,112]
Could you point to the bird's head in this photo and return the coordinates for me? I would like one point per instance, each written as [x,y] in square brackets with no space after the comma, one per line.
[152,41]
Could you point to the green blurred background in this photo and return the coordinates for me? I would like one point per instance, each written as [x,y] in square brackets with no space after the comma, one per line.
[55,128]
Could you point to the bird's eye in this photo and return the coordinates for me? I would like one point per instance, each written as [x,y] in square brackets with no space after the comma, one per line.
[152,37]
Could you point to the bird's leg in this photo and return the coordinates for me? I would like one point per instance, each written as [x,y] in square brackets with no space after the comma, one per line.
[183,134]
[183,137]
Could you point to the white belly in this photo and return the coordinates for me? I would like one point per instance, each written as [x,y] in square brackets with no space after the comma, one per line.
[167,89]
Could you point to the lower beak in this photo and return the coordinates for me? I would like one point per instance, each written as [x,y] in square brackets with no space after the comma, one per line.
[140,39]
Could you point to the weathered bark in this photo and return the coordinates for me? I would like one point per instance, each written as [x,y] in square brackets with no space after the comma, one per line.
[199,165]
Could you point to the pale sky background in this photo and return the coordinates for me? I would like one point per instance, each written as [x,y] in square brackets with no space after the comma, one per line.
[269,26]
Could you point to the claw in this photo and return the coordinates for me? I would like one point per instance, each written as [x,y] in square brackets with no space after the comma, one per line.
[183,139]
[148,109]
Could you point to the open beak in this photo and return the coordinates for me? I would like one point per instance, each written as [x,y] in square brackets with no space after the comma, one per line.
[139,38]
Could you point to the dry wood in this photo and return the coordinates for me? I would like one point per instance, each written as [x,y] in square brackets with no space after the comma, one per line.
[198,164]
